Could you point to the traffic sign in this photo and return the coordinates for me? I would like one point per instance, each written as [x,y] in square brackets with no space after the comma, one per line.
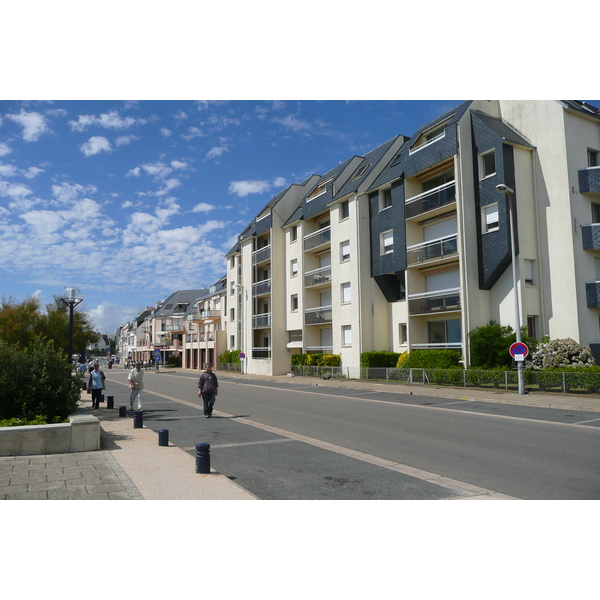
[242,355]
[519,350]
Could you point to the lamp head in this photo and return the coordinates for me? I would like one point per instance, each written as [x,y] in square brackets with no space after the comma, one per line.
[504,189]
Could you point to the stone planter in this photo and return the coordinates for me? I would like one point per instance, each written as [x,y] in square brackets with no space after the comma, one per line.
[80,434]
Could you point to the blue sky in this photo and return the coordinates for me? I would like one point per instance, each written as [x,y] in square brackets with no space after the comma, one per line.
[130,201]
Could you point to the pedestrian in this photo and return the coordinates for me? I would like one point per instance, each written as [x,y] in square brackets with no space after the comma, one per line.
[96,385]
[136,382]
[208,389]
[82,370]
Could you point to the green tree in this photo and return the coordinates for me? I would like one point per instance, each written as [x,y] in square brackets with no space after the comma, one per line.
[19,322]
[490,345]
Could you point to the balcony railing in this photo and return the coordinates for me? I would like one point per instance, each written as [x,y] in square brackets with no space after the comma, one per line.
[318,316]
[261,321]
[317,277]
[589,180]
[261,352]
[210,314]
[432,250]
[434,302]
[317,239]
[175,327]
[320,349]
[261,288]
[590,236]
[261,255]
[439,196]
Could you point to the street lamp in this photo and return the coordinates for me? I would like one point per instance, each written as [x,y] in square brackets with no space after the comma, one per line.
[71,298]
[504,189]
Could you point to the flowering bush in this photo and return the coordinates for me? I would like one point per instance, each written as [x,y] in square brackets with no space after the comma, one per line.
[561,353]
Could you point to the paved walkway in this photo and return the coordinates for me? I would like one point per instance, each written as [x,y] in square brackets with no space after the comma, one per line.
[132,466]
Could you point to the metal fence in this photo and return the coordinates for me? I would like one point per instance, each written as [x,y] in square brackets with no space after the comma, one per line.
[545,381]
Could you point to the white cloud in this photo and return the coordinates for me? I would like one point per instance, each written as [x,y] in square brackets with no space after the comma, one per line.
[127,204]
[16,191]
[110,120]
[7,170]
[34,124]
[166,132]
[216,151]
[177,164]
[44,221]
[194,132]
[32,172]
[293,123]
[95,145]
[245,188]
[67,192]
[108,317]
[4,148]
[125,140]
[279,182]
[203,207]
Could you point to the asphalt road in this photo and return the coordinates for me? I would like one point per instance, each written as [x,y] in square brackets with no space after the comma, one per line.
[290,441]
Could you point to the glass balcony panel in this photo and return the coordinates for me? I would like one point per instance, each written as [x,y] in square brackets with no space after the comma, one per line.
[440,196]
[432,250]
[317,239]
[317,277]
[261,288]
[319,315]
[262,255]
[263,320]
[442,301]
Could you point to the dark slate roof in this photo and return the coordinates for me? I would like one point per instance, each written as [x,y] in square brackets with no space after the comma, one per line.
[187,297]
[504,130]
[297,215]
[582,107]
[372,158]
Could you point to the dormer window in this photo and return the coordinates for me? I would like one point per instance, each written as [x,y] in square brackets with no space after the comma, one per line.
[360,172]
[320,189]
[431,135]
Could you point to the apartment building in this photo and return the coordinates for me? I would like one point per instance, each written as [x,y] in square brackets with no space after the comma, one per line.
[409,246]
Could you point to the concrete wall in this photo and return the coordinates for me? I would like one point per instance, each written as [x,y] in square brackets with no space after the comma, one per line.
[81,434]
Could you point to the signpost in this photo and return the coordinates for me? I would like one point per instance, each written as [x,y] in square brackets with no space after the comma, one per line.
[519,351]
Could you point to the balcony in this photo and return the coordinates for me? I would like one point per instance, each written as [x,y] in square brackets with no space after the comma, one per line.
[261,352]
[320,349]
[590,236]
[261,256]
[589,181]
[318,316]
[210,314]
[432,250]
[175,328]
[317,277]
[261,321]
[433,199]
[261,288]
[433,303]
[317,240]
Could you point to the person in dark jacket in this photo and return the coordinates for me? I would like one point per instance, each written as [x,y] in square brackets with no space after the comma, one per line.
[208,389]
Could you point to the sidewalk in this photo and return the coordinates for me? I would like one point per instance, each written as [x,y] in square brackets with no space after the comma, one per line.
[132,466]
[129,466]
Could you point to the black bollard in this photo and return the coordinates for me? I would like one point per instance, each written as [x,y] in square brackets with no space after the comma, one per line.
[138,419]
[110,402]
[203,458]
[122,411]
[163,437]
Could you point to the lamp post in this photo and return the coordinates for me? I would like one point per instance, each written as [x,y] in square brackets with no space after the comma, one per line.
[71,297]
[504,189]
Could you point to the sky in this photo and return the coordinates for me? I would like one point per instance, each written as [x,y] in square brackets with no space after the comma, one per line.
[130,201]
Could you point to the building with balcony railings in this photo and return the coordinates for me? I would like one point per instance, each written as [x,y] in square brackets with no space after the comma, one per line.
[409,246]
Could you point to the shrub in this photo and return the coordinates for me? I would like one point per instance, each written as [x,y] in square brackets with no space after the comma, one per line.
[174,361]
[36,382]
[561,353]
[401,363]
[433,359]
[490,345]
[230,356]
[316,360]
[379,359]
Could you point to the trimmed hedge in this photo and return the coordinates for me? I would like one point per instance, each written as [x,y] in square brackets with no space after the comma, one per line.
[316,360]
[379,359]
[433,359]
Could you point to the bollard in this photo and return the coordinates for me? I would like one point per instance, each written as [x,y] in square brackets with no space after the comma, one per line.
[163,437]
[122,411]
[203,458]
[138,419]
[110,402]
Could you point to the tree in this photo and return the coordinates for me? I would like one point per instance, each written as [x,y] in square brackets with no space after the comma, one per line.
[490,345]
[19,322]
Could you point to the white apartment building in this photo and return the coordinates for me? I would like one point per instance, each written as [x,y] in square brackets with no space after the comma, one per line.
[409,246]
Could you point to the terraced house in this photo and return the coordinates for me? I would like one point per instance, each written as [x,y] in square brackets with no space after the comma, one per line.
[409,246]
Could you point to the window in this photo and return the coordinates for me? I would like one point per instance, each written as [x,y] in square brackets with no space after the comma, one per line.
[490,218]
[593,158]
[344,210]
[387,242]
[487,164]
[231,342]
[294,233]
[385,199]
[294,303]
[532,326]
[345,251]
[320,189]
[528,271]
[360,171]
[232,314]
[444,332]
[595,213]
[403,333]
[346,335]
[295,335]
[346,295]
[294,267]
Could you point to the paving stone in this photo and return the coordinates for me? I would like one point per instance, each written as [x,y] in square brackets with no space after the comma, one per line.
[85,481]
[11,489]
[39,495]
[112,478]
[46,485]
[119,496]
[105,487]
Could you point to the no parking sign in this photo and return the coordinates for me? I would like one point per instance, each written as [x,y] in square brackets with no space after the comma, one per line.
[519,351]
